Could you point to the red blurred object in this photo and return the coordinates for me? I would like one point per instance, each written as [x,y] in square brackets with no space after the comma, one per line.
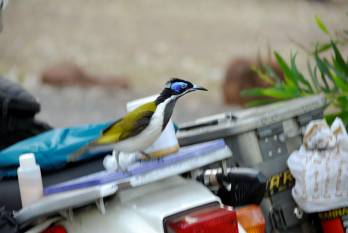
[207,220]
[55,229]
[332,226]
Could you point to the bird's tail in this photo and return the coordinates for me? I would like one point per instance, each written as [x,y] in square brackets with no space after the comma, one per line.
[83,150]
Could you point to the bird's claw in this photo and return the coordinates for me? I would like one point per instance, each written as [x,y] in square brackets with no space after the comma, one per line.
[145,156]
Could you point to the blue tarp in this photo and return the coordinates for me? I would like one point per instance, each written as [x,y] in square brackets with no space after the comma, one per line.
[52,148]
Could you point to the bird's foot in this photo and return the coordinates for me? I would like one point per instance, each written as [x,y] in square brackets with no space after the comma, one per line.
[119,167]
[124,170]
[145,156]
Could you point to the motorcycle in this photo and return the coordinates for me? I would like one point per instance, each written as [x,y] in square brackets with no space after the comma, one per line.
[199,198]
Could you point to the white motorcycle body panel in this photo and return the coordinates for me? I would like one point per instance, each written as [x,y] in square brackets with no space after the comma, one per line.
[142,209]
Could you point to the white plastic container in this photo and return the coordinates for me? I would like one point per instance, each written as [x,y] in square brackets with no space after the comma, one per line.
[29,179]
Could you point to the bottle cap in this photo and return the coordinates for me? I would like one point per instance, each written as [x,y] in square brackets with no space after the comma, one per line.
[27,160]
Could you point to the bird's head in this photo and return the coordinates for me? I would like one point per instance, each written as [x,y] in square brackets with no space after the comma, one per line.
[175,88]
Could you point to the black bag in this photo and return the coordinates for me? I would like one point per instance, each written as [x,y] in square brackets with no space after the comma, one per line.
[7,222]
[15,101]
[17,110]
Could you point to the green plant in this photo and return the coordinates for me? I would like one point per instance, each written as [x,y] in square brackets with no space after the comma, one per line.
[328,76]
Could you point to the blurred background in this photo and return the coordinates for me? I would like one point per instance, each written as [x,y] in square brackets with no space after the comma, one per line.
[84,60]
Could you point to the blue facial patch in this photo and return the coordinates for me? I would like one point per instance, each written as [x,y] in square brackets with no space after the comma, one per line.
[178,87]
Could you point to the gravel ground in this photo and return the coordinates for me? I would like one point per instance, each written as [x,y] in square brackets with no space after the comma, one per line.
[149,41]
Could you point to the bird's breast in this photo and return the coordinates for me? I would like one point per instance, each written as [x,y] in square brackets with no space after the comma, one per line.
[148,136]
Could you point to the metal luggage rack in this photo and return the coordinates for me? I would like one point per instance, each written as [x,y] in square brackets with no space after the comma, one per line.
[63,198]
[233,123]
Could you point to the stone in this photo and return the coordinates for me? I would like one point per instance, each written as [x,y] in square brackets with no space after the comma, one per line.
[239,76]
[70,74]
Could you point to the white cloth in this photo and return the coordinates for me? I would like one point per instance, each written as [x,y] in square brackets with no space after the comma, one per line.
[320,168]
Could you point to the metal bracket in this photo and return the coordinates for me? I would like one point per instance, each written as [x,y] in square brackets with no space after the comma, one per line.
[304,119]
[224,166]
[101,206]
[272,141]
[68,214]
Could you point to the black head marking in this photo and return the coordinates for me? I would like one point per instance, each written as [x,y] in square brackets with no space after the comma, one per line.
[168,112]
[174,87]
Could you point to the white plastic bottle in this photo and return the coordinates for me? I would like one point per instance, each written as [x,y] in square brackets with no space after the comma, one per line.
[29,179]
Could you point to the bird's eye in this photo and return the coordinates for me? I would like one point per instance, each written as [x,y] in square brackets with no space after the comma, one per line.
[179,87]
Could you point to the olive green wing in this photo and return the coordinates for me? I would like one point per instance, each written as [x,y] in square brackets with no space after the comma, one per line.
[130,125]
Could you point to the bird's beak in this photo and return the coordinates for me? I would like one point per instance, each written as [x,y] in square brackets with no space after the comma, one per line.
[198,88]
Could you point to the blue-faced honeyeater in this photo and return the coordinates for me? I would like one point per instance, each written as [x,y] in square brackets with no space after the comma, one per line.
[138,129]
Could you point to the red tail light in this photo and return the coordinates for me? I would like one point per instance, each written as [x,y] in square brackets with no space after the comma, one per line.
[207,220]
[55,229]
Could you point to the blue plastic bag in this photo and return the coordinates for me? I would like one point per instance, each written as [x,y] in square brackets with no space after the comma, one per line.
[52,149]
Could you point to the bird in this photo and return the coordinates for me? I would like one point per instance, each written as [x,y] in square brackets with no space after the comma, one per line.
[140,128]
